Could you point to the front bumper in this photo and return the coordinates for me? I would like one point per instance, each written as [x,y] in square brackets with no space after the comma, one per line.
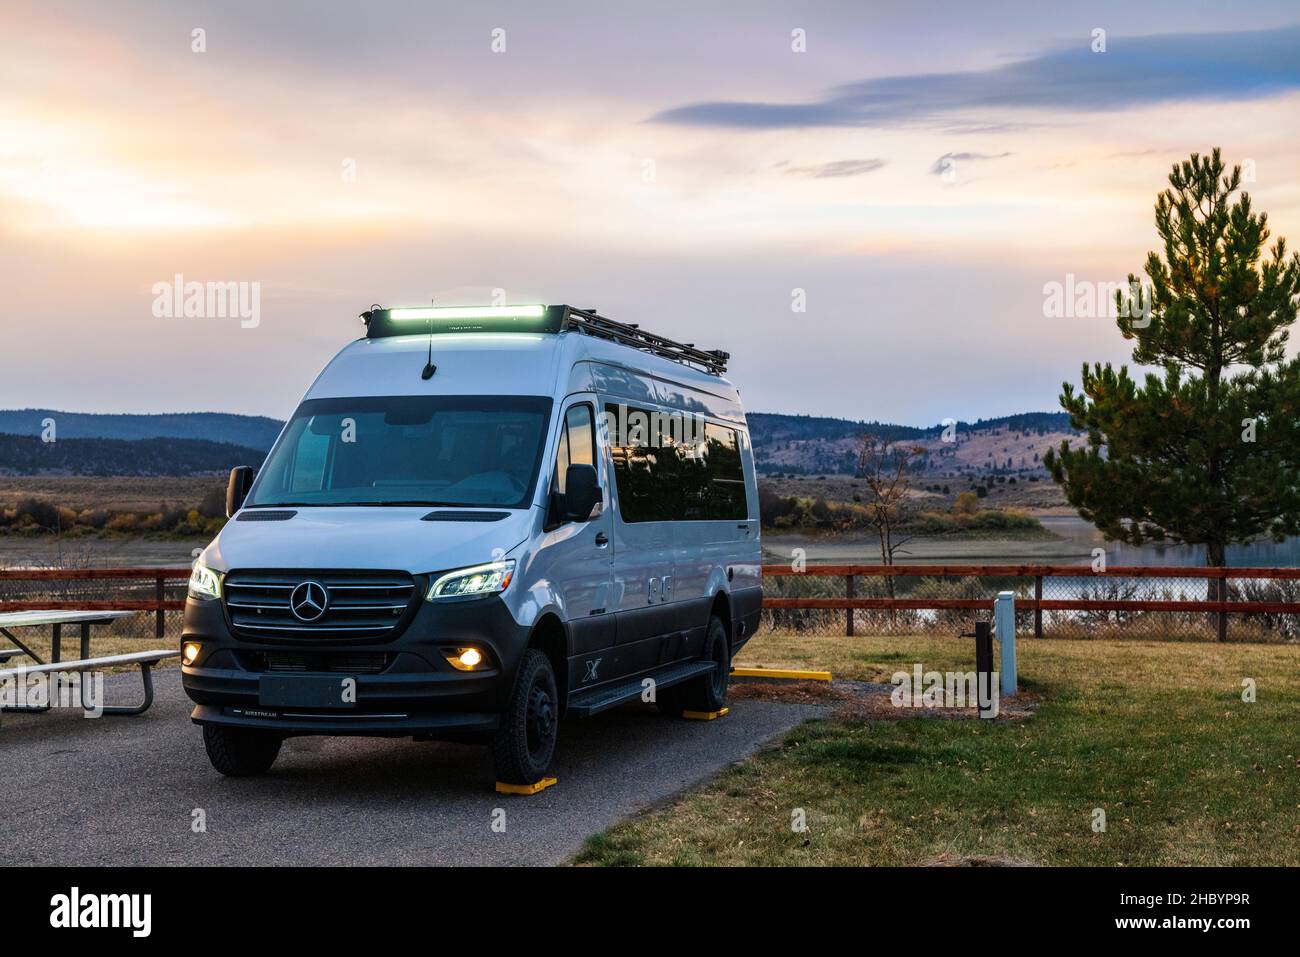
[408,689]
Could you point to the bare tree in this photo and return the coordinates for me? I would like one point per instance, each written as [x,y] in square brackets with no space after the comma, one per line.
[887,467]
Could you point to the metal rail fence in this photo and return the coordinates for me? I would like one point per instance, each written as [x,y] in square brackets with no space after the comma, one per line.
[1053,601]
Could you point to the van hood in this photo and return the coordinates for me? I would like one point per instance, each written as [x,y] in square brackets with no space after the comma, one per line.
[379,537]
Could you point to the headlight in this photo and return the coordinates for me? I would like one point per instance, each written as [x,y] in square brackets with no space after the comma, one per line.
[474,582]
[205,584]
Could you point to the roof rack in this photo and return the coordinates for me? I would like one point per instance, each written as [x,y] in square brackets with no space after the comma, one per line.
[381,323]
[592,323]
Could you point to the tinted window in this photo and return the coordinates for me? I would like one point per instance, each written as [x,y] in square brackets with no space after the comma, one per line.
[675,468]
[725,474]
[577,444]
[422,450]
[644,470]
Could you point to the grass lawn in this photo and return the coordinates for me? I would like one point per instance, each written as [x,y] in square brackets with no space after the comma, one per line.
[1155,734]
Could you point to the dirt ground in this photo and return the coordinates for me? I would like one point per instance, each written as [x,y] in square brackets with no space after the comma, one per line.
[131,493]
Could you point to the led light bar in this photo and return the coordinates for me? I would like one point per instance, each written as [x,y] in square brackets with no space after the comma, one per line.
[532,319]
[420,320]
[452,313]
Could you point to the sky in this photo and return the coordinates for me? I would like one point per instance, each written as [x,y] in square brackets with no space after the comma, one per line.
[862,202]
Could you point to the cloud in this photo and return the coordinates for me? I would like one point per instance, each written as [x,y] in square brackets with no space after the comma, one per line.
[849,167]
[945,161]
[1134,71]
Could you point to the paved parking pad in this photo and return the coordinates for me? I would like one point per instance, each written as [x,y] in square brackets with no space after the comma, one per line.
[128,791]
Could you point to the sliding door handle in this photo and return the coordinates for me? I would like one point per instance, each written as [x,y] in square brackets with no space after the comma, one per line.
[602,539]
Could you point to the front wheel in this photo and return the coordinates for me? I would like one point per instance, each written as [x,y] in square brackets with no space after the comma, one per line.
[238,753]
[525,742]
[707,692]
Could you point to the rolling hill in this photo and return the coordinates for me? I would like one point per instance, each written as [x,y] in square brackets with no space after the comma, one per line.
[806,445]
[28,455]
[249,431]
[188,443]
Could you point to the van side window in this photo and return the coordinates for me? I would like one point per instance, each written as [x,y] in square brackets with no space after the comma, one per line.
[645,464]
[672,468]
[577,445]
[712,478]
[726,474]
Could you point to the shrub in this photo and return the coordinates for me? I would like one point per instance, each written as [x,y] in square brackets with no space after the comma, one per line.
[213,504]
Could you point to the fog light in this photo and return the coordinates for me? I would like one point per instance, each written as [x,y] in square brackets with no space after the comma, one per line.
[189,652]
[465,659]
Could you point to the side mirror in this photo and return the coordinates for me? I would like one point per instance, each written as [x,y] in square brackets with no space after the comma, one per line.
[241,480]
[581,492]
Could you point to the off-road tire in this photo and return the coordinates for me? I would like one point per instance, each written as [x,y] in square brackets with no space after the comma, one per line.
[525,741]
[707,692]
[239,753]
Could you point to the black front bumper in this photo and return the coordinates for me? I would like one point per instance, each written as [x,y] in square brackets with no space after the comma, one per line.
[415,692]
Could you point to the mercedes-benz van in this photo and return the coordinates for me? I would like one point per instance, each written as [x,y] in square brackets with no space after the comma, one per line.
[478,520]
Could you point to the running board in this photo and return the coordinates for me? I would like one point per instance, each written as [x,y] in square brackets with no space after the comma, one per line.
[585,703]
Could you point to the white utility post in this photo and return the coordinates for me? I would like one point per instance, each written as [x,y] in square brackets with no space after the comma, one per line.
[1004,624]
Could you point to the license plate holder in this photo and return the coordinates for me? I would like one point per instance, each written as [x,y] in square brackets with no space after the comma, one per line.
[307,691]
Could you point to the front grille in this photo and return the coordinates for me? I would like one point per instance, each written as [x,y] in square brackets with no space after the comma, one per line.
[362,605]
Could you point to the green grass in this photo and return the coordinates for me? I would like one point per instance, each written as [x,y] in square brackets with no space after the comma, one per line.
[1154,733]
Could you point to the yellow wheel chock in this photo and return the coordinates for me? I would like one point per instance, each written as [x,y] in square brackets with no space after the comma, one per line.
[705,715]
[537,787]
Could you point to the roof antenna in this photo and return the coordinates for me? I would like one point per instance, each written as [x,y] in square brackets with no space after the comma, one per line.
[429,367]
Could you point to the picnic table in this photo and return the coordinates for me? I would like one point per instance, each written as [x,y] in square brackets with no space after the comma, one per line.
[56,620]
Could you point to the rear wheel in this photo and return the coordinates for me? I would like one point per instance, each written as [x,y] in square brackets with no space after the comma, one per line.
[239,753]
[525,742]
[707,692]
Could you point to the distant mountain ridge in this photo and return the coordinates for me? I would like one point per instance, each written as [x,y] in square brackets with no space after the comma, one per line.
[28,455]
[189,442]
[250,431]
[812,445]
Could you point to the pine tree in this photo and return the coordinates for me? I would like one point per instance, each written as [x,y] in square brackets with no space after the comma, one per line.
[1206,450]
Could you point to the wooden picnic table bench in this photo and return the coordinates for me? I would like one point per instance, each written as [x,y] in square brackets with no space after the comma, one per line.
[84,619]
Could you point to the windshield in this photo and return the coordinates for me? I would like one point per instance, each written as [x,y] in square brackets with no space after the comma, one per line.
[407,450]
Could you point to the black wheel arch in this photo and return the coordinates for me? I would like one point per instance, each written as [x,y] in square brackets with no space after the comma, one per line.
[721,608]
[551,637]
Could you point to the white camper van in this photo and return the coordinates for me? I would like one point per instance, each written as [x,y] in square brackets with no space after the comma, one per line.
[478,521]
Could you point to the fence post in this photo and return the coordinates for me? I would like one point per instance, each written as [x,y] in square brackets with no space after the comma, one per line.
[849,592]
[1004,623]
[1038,611]
[984,670]
[1222,593]
[159,622]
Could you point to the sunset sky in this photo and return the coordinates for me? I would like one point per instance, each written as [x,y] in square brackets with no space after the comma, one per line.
[673,164]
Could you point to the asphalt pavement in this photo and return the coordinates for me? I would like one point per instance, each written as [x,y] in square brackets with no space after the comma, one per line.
[133,790]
